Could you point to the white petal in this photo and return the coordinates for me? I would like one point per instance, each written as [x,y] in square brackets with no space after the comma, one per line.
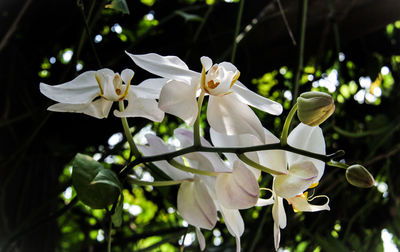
[228,115]
[155,84]
[99,108]
[179,99]
[196,205]
[170,67]
[302,204]
[127,75]
[277,235]
[206,161]
[273,159]
[297,181]
[310,139]
[157,146]
[279,216]
[239,189]
[278,212]
[140,107]
[265,202]
[200,238]
[228,66]
[81,90]
[257,101]
[233,221]
[206,62]
[237,239]
[144,92]
[245,140]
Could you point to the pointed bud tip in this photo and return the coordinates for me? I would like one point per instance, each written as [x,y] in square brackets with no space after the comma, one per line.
[359,176]
[314,107]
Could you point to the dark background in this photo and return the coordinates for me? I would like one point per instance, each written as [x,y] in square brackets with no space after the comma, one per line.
[36,144]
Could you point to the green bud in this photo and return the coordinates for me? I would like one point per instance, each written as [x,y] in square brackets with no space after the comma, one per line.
[314,107]
[359,176]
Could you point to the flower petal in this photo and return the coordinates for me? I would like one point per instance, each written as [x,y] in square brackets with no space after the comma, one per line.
[154,84]
[196,205]
[245,140]
[251,98]
[274,160]
[277,236]
[127,75]
[206,62]
[228,115]
[99,108]
[200,238]
[297,181]
[239,189]
[157,146]
[233,221]
[278,212]
[206,161]
[81,90]
[310,139]
[179,99]
[141,107]
[170,67]
[302,204]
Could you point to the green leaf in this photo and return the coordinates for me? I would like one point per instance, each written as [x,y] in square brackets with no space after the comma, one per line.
[107,177]
[95,186]
[117,216]
[119,5]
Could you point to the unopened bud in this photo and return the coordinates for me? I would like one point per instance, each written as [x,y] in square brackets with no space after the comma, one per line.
[358,176]
[314,107]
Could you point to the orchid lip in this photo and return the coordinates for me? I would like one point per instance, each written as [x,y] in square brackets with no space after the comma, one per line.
[116,82]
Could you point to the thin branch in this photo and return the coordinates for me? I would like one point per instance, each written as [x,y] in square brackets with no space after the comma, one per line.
[235,40]
[301,50]
[236,150]
[80,4]
[286,22]
[384,156]
[13,27]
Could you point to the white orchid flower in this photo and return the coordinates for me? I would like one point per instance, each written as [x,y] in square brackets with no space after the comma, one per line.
[93,93]
[303,173]
[202,196]
[299,173]
[228,106]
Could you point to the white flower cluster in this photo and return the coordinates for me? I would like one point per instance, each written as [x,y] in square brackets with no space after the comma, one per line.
[234,184]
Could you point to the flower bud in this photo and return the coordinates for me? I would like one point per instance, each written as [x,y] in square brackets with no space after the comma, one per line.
[314,107]
[358,176]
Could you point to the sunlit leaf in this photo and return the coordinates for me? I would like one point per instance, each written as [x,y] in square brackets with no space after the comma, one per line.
[95,186]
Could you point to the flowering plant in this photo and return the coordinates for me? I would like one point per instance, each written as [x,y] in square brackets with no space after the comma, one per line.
[221,176]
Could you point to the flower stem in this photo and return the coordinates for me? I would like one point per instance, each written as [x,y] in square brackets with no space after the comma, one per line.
[237,28]
[196,126]
[301,49]
[135,181]
[220,150]
[185,168]
[338,164]
[286,126]
[125,125]
[250,162]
